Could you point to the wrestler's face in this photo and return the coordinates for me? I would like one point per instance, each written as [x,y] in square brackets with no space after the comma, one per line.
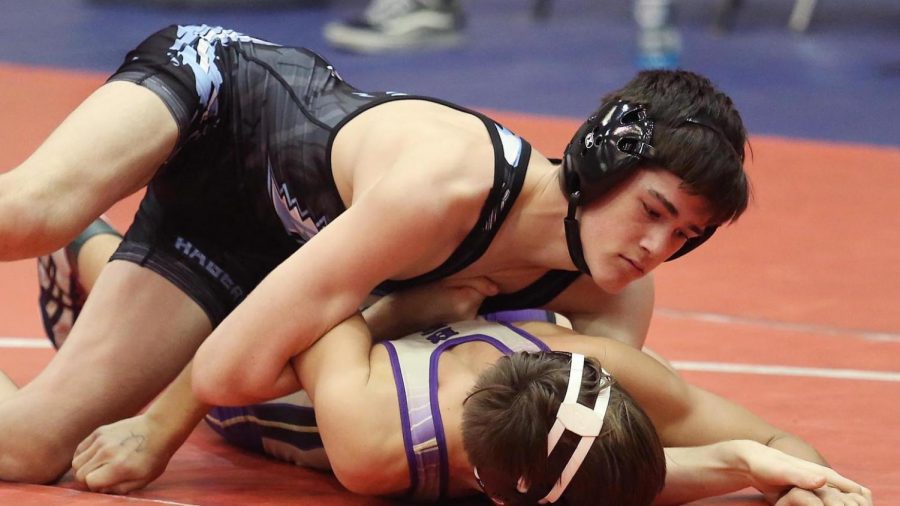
[638,225]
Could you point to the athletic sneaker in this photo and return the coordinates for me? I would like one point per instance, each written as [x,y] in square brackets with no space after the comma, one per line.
[61,295]
[397,25]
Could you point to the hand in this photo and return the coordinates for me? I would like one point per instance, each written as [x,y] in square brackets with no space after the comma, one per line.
[790,481]
[822,496]
[454,300]
[123,456]
[428,305]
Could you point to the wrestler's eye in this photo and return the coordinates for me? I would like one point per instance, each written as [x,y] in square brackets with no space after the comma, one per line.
[650,212]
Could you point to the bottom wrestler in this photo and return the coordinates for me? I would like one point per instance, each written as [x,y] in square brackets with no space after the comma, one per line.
[481,406]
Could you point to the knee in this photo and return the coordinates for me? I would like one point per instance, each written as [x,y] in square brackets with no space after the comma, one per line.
[27,228]
[33,464]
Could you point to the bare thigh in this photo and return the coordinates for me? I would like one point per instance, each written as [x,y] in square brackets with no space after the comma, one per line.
[107,148]
[135,333]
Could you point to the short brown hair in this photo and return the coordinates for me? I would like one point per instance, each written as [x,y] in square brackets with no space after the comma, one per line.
[708,159]
[507,417]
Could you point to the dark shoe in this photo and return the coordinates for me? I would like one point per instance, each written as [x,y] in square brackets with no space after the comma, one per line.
[399,25]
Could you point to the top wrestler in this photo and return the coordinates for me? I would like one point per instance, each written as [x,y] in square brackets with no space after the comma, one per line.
[279,197]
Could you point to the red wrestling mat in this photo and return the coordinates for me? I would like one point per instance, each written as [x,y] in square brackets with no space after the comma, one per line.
[807,280]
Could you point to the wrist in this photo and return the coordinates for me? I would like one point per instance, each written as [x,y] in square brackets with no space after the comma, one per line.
[378,318]
[737,456]
[174,424]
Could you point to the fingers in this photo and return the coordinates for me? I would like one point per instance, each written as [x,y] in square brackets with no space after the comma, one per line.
[116,478]
[812,476]
[87,462]
[126,487]
[481,284]
[831,496]
[82,460]
[799,497]
[843,484]
[103,463]
[108,474]
[809,479]
[83,446]
[824,496]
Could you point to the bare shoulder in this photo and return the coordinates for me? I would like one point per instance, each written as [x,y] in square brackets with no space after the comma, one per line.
[417,144]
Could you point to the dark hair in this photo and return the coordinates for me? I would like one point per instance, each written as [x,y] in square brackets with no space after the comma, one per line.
[508,415]
[709,159]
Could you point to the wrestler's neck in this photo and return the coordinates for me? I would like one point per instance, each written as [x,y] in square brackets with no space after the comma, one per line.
[532,235]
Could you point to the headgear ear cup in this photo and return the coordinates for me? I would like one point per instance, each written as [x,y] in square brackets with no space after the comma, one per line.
[605,150]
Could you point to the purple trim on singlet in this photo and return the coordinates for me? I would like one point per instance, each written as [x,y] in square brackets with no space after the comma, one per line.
[404,416]
[537,342]
[435,404]
[414,360]
[518,315]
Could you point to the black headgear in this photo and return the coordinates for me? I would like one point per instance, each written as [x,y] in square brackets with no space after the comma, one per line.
[607,149]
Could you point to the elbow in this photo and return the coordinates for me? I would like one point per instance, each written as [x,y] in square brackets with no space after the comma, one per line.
[32,222]
[220,384]
[356,477]
[204,388]
[206,384]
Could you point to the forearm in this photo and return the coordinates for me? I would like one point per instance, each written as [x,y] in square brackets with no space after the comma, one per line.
[793,445]
[177,411]
[387,319]
[247,357]
[705,471]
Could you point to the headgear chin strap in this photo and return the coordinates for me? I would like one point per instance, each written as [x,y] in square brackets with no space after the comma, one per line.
[577,418]
[573,240]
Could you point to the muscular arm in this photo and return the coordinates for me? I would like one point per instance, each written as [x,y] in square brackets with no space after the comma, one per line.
[337,374]
[624,316]
[683,414]
[129,454]
[707,471]
[707,405]
[246,358]
[687,416]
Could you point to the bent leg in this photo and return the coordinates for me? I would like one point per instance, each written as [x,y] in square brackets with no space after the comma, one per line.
[94,256]
[134,334]
[106,149]
[66,276]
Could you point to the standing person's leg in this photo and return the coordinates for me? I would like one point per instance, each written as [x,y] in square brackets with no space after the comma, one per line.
[659,40]
[399,25]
